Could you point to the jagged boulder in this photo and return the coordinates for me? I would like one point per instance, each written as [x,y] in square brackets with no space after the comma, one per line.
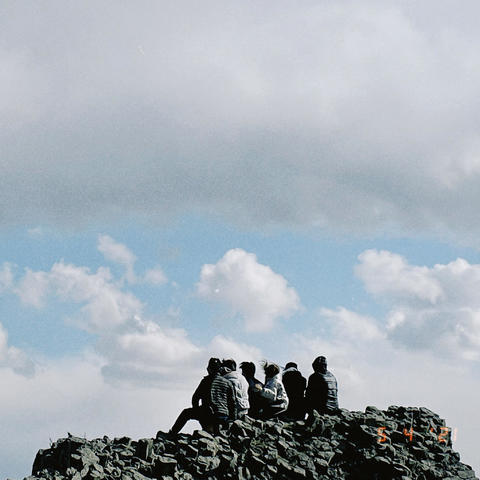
[398,443]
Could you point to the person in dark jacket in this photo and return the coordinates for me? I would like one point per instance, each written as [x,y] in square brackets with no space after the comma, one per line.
[201,401]
[223,399]
[254,388]
[321,393]
[295,384]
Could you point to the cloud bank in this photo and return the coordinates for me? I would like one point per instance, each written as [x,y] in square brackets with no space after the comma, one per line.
[348,117]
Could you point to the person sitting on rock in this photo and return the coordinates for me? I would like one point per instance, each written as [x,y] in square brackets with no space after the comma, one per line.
[295,384]
[223,400]
[321,393]
[241,387]
[273,392]
[201,401]
[254,388]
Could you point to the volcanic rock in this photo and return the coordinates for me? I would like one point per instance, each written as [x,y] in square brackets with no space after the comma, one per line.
[399,443]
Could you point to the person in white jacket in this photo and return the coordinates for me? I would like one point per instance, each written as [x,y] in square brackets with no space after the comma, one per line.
[241,387]
[273,392]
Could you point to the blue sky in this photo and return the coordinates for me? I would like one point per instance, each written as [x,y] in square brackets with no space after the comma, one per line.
[264,182]
[320,268]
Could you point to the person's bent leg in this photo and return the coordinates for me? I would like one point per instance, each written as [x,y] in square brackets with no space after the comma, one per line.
[185,415]
[205,417]
[220,422]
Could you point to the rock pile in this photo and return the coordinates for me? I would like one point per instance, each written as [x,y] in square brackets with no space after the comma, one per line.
[398,443]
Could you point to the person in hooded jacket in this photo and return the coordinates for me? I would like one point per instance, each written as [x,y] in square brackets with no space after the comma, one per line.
[222,400]
[295,384]
[241,387]
[201,403]
[321,392]
[273,392]
[254,388]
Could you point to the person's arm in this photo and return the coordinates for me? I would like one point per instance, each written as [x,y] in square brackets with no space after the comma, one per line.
[303,385]
[323,392]
[269,391]
[309,394]
[198,394]
[231,402]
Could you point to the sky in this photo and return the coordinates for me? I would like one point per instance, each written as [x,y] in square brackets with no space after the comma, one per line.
[256,180]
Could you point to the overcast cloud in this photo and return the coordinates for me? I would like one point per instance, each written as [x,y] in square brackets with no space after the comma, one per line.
[354,117]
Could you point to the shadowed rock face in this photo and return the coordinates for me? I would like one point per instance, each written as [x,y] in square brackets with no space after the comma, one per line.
[398,443]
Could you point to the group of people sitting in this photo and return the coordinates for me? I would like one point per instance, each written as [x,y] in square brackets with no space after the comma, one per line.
[225,395]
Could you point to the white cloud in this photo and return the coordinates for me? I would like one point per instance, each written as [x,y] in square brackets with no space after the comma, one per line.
[126,341]
[155,276]
[223,347]
[6,277]
[104,304]
[249,288]
[135,351]
[148,355]
[348,324]
[434,308]
[14,358]
[118,253]
[33,288]
[143,354]
[386,273]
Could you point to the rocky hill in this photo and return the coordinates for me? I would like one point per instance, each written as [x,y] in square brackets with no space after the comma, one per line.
[398,443]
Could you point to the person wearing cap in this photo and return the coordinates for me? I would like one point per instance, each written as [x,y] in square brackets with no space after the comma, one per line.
[321,392]
[201,401]
[273,393]
[254,388]
[295,384]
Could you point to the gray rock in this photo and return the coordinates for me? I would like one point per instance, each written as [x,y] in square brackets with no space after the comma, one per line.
[165,466]
[144,449]
[325,447]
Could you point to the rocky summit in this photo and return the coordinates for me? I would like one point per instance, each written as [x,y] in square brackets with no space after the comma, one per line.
[397,443]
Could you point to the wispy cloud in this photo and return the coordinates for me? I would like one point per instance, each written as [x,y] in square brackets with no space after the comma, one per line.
[6,277]
[118,253]
[155,276]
